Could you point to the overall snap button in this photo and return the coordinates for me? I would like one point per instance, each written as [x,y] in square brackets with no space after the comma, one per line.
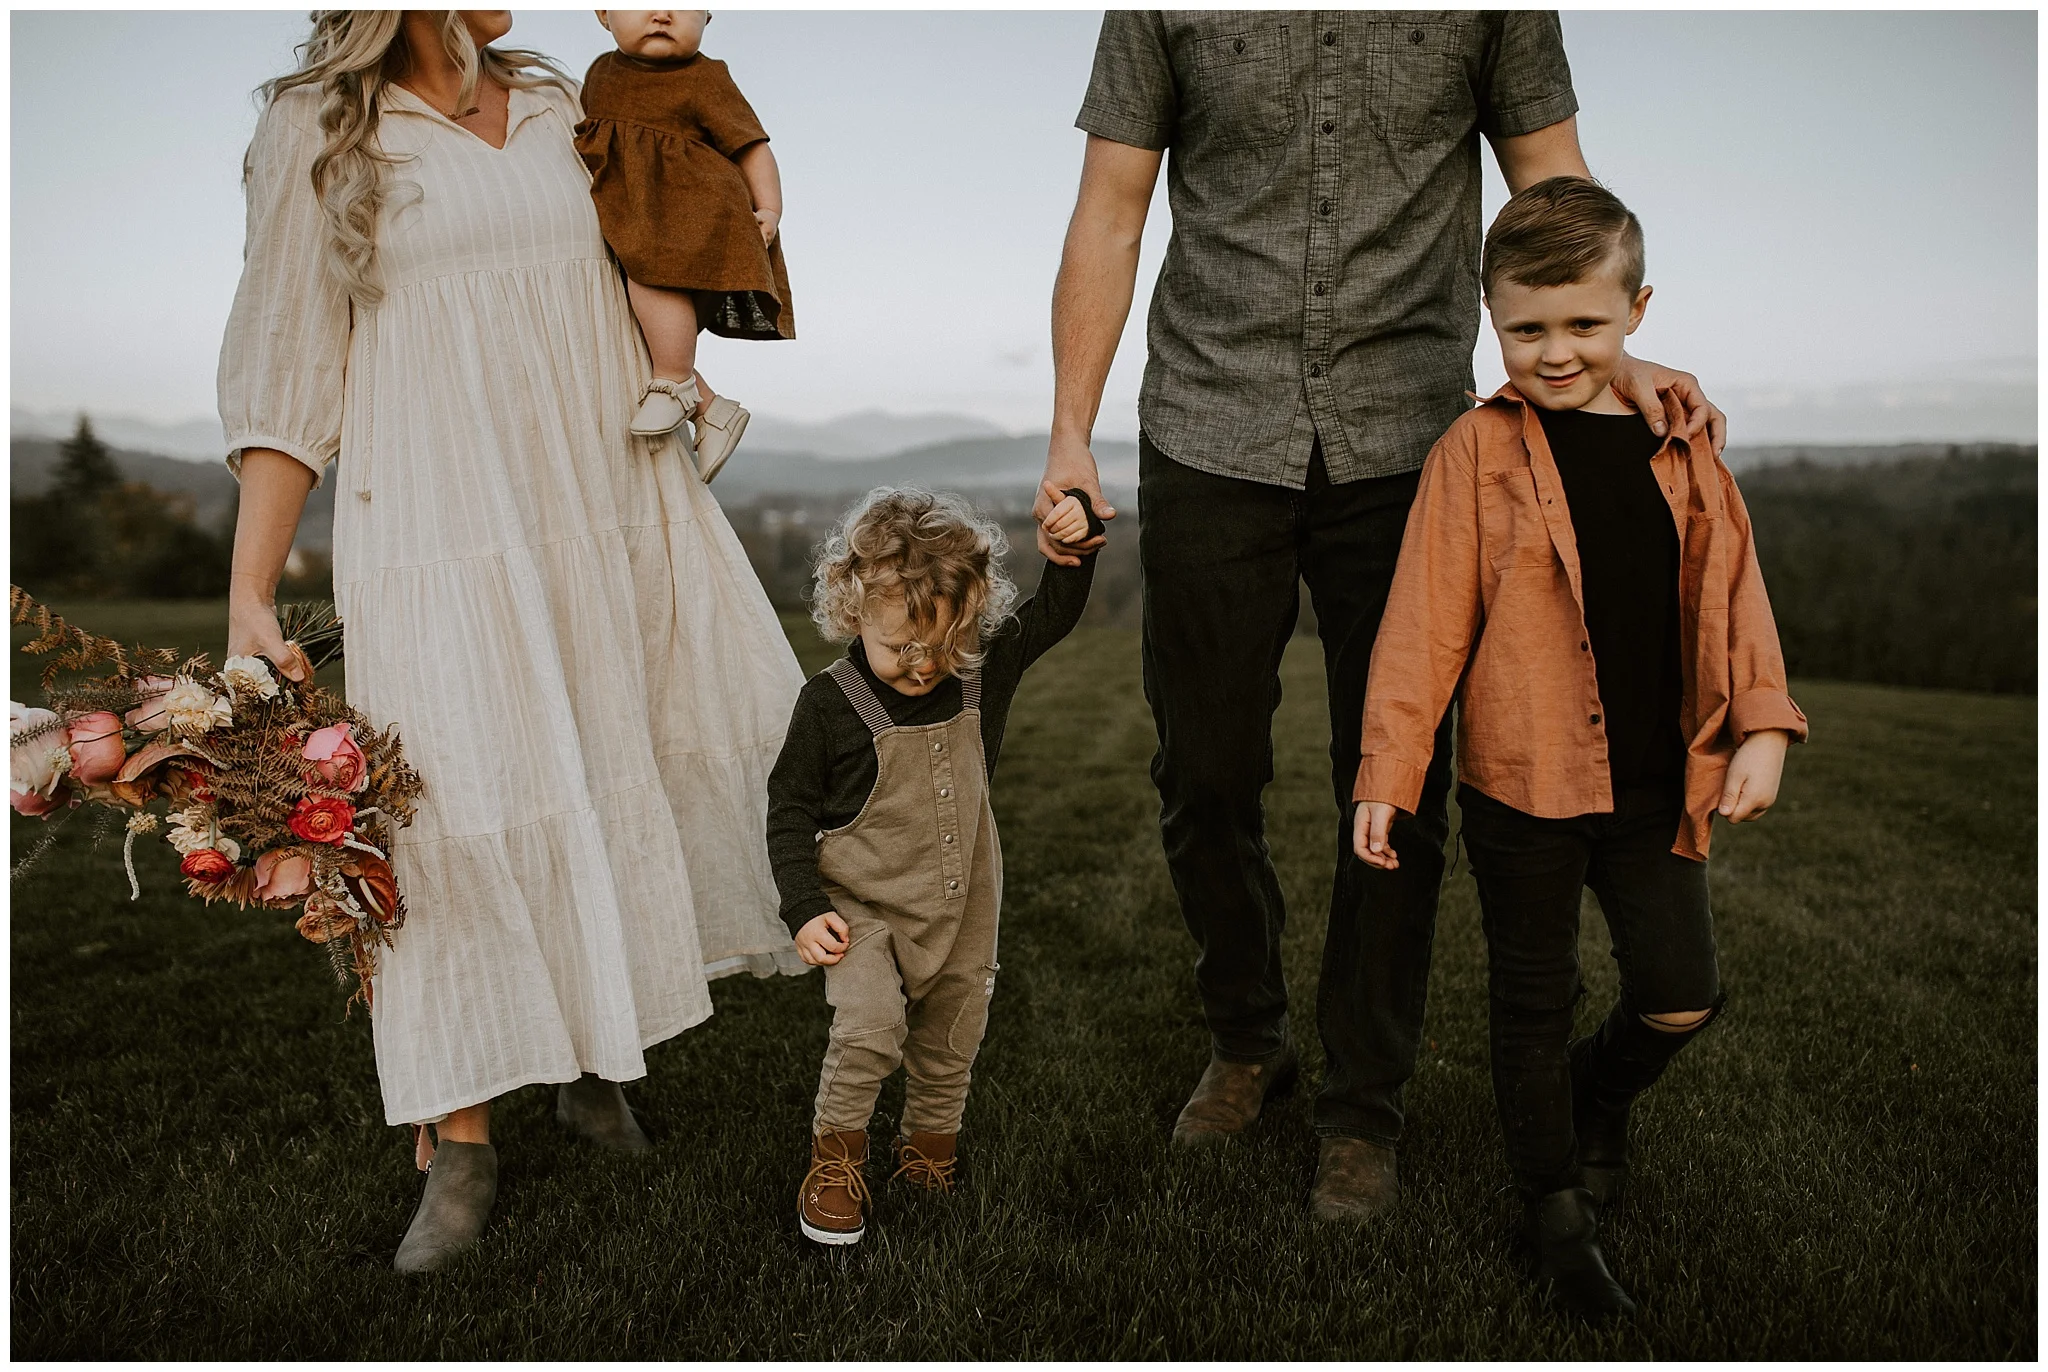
[1416,36]
[1238,46]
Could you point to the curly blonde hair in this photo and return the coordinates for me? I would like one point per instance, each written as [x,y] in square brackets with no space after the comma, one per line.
[933,553]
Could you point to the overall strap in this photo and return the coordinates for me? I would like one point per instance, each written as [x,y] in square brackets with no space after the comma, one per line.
[861,696]
[970,690]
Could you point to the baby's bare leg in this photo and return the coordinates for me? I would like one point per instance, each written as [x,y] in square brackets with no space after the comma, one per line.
[668,321]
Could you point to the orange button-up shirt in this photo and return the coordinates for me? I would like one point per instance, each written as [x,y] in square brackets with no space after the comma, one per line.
[1487,604]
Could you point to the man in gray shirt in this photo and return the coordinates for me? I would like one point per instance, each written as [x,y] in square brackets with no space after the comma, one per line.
[1310,337]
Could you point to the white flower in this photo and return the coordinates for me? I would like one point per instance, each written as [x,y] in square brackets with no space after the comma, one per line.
[195,828]
[246,676]
[35,765]
[192,709]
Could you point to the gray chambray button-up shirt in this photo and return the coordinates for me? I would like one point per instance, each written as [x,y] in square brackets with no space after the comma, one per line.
[1323,276]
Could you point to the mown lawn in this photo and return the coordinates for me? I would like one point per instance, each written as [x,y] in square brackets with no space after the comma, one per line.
[1844,1167]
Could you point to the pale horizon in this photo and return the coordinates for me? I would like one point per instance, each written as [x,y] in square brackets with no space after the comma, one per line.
[1797,162]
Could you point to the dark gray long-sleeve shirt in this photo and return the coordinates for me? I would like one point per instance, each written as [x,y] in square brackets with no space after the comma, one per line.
[827,766]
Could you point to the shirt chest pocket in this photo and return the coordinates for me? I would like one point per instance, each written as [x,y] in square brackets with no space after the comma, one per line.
[1419,90]
[1512,532]
[1239,91]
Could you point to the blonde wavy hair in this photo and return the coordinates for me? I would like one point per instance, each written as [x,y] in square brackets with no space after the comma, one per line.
[933,553]
[350,57]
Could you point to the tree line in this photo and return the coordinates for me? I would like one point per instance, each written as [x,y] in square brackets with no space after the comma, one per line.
[1917,572]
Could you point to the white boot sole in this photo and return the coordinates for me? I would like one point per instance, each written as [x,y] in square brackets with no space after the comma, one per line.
[827,1236]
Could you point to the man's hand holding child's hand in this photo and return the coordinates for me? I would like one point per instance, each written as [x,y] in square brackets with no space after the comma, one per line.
[1066,523]
[1369,835]
[1752,784]
[822,942]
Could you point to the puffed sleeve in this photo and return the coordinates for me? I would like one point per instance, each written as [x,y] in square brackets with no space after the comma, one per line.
[282,360]
[729,121]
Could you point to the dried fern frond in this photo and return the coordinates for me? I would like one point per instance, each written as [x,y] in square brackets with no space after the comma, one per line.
[75,649]
[313,625]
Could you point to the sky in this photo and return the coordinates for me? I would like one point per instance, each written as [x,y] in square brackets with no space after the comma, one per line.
[1840,207]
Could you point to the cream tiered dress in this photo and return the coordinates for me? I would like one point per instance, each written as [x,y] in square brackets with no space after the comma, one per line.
[555,614]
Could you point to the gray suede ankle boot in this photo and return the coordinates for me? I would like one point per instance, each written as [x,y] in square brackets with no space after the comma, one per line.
[596,1109]
[461,1185]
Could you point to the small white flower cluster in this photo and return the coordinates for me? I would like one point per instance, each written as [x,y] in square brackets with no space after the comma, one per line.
[194,828]
[249,676]
[192,709]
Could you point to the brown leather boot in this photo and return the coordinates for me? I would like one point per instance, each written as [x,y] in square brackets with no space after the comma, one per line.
[1229,1097]
[927,1160]
[1356,1181]
[833,1205]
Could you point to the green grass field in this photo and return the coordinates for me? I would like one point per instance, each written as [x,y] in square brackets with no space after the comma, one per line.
[1844,1167]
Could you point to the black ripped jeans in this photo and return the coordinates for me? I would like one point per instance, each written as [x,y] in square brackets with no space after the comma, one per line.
[1223,561]
[1531,873]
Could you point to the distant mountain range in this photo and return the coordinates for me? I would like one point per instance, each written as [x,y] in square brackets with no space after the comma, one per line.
[986,464]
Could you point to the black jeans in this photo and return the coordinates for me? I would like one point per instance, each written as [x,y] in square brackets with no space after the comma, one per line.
[1223,562]
[1531,874]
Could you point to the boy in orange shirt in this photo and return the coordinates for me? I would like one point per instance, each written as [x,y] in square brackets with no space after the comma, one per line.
[1591,595]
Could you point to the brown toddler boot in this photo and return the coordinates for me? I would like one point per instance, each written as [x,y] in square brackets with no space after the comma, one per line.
[832,1208]
[927,1160]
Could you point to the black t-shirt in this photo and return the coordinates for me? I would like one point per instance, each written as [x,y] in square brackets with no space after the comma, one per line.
[1628,570]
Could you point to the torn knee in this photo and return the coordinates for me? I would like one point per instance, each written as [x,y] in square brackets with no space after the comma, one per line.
[1678,1021]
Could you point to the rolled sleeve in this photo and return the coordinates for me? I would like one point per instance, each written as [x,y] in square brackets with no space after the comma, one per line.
[285,351]
[1131,94]
[1765,708]
[1530,86]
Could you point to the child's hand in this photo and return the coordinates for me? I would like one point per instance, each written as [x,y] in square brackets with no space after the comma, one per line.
[1065,522]
[1752,783]
[768,221]
[1369,835]
[822,942]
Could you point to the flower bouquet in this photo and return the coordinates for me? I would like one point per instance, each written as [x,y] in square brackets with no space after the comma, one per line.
[275,794]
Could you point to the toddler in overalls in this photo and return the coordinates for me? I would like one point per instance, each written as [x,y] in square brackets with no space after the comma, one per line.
[879,827]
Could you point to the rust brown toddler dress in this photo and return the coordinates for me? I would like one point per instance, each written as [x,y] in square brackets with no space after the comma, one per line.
[660,139]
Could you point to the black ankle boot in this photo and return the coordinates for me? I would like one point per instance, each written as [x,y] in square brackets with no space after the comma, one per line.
[1569,1265]
[1611,1067]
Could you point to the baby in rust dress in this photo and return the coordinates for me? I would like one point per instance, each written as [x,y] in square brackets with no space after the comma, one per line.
[689,198]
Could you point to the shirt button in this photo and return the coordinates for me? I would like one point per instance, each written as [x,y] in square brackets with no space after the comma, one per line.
[1320,288]
[1329,126]
[1325,207]
[1595,719]
[945,791]
[938,747]
[952,886]
[1315,369]
[1582,648]
[1329,40]
[949,838]
[1238,46]
[1416,36]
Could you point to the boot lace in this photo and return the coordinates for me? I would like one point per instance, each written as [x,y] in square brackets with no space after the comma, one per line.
[930,1173]
[828,1172]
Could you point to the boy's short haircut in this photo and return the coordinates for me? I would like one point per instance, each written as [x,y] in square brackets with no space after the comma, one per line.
[1559,232]
[931,551]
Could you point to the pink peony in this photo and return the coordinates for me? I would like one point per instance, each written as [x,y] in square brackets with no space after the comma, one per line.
[149,716]
[96,749]
[33,803]
[335,756]
[282,874]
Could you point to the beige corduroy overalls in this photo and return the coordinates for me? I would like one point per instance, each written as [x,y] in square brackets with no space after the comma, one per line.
[918,878]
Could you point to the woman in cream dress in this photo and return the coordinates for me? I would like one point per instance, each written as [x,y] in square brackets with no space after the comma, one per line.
[556,615]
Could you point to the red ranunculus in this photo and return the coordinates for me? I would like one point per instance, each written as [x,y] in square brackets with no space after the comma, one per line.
[207,864]
[323,819]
